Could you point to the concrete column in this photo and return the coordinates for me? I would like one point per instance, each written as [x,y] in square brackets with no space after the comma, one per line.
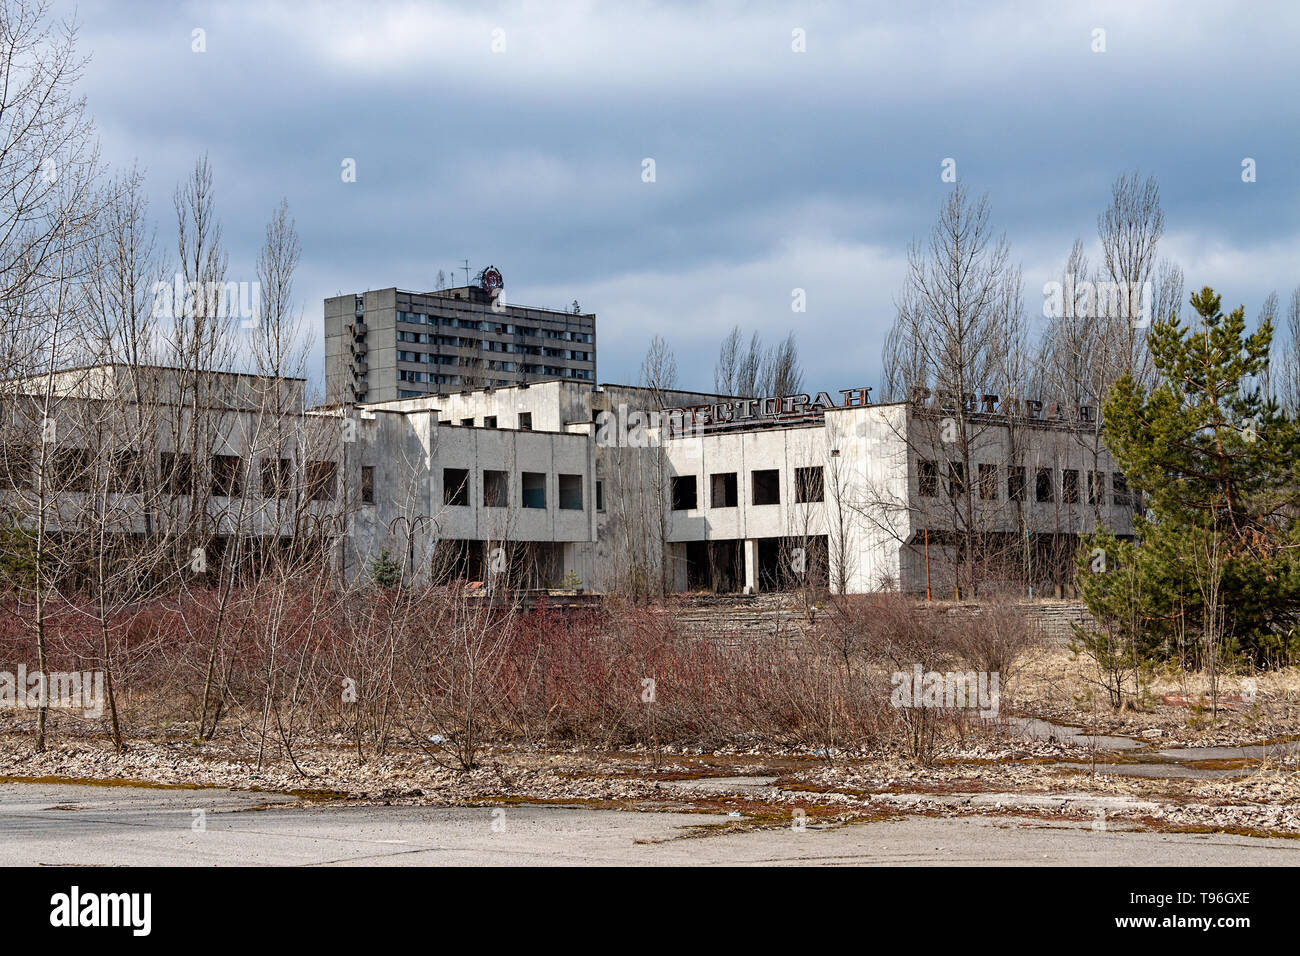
[751,566]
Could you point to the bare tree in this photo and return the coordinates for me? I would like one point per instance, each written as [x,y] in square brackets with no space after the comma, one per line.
[49,208]
[659,367]
[48,158]
[1208,569]
[659,375]
[279,353]
[728,367]
[782,374]
[202,346]
[841,493]
[804,551]
[960,315]
[114,552]
[1130,228]
[1101,333]
[1288,363]
[747,370]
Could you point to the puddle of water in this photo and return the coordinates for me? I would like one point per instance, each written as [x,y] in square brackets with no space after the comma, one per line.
[1075,736]
[721,783]
[1164,771]
[1248,752]
[1169,763]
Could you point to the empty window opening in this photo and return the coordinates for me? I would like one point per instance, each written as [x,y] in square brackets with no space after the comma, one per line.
[1044,485]
[570,488]
[534,489]
[927,478]
[722,490]
[455,487]
[767,487]
[321,478]
[808,485]
[684,493]
[495,485]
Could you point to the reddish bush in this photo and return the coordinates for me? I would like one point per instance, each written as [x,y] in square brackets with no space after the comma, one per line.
[448,672]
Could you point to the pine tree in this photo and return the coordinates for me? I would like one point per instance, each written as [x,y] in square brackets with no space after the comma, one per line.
[384,571]
[1215,464]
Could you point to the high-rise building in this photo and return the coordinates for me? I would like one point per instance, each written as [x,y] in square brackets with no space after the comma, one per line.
[391,344]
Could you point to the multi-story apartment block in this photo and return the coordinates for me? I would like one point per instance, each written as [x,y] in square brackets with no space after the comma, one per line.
[391,344]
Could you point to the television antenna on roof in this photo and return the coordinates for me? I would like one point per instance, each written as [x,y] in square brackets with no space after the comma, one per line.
[466,268]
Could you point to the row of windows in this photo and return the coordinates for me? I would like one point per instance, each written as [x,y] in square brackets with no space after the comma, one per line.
[427,358]
[764,484]
[557,371]
[74,469]
[411,375]
[1045,486]
[456,490]
[452,341]
[525,421]
[444,380]
[500,328]
[419,318]
[320,480]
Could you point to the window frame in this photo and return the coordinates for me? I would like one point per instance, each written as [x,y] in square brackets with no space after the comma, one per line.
[927,478]
[804,491]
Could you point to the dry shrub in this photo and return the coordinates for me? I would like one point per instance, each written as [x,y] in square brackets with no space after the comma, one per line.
[445,672]
[994,636]
[884,635]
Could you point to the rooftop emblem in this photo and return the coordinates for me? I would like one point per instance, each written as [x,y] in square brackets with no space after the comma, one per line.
[491,281]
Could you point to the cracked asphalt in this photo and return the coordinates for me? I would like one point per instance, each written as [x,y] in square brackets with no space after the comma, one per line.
[69,824]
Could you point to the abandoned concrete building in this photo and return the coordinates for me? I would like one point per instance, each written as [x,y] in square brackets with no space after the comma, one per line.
[608,486]
[391,343]
[736,494]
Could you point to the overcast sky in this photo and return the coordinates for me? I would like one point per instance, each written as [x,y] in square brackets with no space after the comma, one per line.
[774,169]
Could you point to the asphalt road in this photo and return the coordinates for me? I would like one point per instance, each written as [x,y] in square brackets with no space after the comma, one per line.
[55,824]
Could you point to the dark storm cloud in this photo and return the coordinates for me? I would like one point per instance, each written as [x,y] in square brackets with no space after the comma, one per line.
[775,169]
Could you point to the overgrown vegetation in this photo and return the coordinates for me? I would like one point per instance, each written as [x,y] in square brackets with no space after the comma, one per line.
[1213,578]
[448,673]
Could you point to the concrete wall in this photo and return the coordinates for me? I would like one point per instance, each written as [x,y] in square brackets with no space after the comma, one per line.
[478,361]
[873,514]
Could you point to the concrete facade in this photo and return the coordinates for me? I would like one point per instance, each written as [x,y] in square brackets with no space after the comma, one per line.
[870,504]
[594,483]
[389,344]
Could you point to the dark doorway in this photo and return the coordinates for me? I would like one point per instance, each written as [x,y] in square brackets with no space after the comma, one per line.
[770,577]
[697,566]
[716,566]
[728,565]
